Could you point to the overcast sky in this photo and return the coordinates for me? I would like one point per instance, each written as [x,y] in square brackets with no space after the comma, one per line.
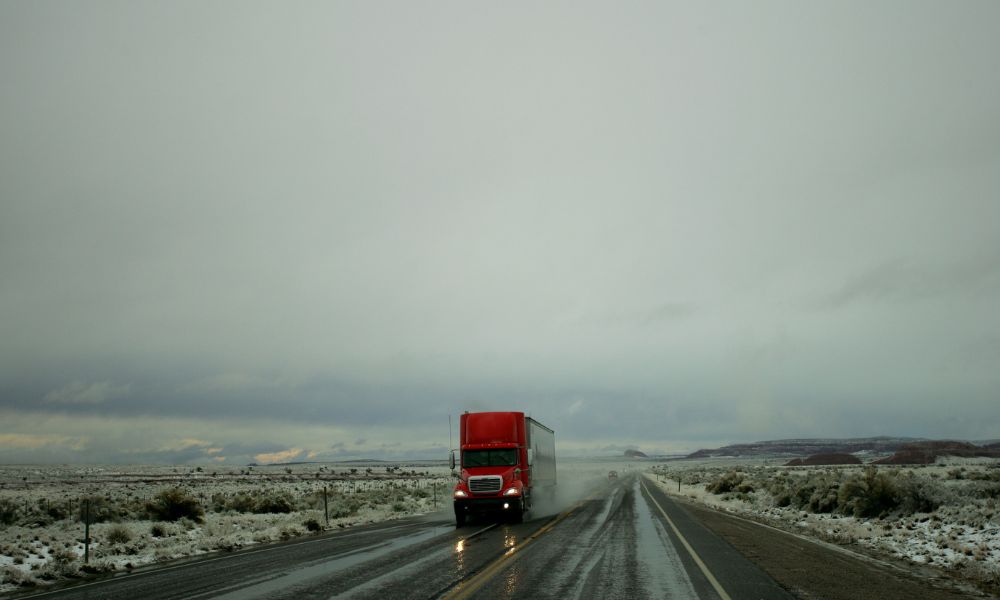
[238,231]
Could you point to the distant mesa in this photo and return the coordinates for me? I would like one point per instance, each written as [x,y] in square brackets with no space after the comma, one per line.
[878,450]
[878,446]
[824,459]
[925,453]
[635,454]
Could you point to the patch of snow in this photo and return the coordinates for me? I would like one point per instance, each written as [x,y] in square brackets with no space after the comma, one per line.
[963,533]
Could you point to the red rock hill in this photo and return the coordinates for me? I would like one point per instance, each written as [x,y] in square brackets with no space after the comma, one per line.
[824,459]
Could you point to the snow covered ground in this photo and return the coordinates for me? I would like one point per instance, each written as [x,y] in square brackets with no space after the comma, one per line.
[42,533]
[960,535]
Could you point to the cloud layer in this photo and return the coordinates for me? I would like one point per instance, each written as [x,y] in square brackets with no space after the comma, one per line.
[315,234]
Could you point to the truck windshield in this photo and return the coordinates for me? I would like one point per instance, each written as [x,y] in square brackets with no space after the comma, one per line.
[506,457]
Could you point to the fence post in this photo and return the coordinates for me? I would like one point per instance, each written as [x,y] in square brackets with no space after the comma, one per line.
[326,507]
[86,531]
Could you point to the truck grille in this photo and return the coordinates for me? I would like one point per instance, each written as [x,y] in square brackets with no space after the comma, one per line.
[485,484]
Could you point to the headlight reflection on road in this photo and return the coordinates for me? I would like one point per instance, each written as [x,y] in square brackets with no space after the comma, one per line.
[460,558]
[510,582]
[510,542]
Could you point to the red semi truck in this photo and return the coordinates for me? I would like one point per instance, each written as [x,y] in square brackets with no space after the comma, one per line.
[508,460]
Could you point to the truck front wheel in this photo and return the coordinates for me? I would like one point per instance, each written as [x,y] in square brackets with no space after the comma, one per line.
[459,517]
[517,514]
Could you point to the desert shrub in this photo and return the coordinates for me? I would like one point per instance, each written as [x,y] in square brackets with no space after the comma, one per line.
[62,562]
[175,504]
[51,571]
[871,495]
[158,530]
[277,502]
[782,498]
[98,566]
[802,493]
[987,490]
[780,488]
[344,506]
[916,495]
[15,576]
[266,502]
[824,499]
[118,534]
[241,502]
[985,573]
[314,500]
[992,475]
[312,525]
[8,511]
[724,484]
[97,508]
[218,502]
[57,511]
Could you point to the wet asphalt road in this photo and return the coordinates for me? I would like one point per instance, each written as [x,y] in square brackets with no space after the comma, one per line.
[622,545]
[626,541]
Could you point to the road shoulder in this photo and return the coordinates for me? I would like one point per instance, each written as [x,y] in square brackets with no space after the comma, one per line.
[809,569]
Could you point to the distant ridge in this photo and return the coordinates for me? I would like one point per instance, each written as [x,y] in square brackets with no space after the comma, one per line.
[885,450]
[925,453]
[808,447]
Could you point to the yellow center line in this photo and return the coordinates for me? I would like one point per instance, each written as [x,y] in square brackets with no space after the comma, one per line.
[466,588]
[697,559]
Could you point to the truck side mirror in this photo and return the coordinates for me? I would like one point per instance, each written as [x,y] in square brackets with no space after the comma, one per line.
[451,460]
[531,456]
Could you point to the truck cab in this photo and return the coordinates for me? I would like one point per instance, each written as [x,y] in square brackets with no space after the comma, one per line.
[505,458]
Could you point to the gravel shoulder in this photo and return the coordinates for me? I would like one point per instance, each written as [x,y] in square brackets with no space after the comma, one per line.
[812,570]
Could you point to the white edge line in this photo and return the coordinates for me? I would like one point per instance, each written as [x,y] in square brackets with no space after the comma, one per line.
[694,555]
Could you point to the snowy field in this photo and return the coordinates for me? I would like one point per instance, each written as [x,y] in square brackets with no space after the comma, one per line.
[42,508]
[945,515]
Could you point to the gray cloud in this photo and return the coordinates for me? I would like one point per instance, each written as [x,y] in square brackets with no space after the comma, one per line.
[900,281]
[79,392]
[647,316]
[327,229]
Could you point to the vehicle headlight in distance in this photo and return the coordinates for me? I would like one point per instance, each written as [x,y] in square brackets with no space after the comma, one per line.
[460,494]
[512,492]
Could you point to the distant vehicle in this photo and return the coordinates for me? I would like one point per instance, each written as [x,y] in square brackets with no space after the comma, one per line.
[507,461]
[612,475]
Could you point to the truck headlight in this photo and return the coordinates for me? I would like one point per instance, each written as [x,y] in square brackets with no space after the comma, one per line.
[460,494]
[512,492]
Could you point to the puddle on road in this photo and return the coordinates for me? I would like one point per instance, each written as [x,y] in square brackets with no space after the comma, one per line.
[284,583]
[659,563]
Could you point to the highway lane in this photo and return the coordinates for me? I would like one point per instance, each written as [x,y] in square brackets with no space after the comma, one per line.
[417,557]
[627,540]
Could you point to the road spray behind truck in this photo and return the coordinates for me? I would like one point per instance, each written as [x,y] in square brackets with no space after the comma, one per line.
[508,460]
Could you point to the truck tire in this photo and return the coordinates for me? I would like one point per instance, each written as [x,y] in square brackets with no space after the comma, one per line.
[517,515]
[459,518]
